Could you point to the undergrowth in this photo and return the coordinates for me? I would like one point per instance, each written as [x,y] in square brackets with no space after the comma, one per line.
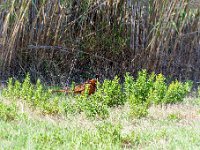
[8,112]
[152,89]
[139,93]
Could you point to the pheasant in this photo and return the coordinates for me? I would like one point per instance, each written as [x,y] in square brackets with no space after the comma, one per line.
[80,89]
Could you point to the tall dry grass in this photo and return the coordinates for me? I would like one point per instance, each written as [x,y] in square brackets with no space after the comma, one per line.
[73,39]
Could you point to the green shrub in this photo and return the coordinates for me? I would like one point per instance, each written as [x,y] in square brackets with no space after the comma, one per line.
[26,91]
[51,107]
[93,106]
[40,95]
[177,91]
[36,95]
[108,94]
[17,89]
[128,85]
[137,92]
[7,113]
[112,93]
[157,93]
[147,89]
[8,92]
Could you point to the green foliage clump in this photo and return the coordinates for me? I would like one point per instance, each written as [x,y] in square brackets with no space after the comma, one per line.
[9,91]
[36,95]
[27,89]
[109,94]
[157,92]
[152,89]
[93,105]
[8,113]
[16,89]
[177,91]
[146,89]
[137,92]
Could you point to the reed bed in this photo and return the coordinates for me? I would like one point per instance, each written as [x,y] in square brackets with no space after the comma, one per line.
[73,39]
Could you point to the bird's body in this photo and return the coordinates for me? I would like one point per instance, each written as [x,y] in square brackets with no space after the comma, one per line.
[80,89]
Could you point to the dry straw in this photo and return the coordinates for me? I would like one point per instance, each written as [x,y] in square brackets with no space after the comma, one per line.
[107,37]
[195,4]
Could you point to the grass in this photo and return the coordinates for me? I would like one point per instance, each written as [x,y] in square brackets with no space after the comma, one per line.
[159,130]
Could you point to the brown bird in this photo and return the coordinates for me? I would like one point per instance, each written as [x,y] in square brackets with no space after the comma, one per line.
[80,89]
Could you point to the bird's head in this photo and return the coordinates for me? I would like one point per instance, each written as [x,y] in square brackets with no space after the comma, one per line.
[93,82]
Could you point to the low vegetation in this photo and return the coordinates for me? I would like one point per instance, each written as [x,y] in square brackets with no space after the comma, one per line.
[8,113]
[139,93]
[102,120]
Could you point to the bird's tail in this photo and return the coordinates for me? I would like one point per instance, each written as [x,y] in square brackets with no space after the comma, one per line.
[61,91]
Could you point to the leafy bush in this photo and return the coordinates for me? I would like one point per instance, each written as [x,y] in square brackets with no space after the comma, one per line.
[17,89]
[7,113]
[111,92]
[137,92]
[157,93]
[36,95]
[27,89]
[147,89]
[142,86]
[40,95]
[93,105]
[108,94]
[140,93]
[8,92]
[128,85]
[177,91]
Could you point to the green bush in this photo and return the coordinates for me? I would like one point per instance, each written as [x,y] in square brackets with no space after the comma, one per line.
[17,89]
[108,94]
[8,113]
[137,92]
[111,92]
[93,106]
[140,93]
[40,95]
[157,93]
[8,92]
[177,91]
[128,85]
[148,89]
[27,89]
[36,95]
